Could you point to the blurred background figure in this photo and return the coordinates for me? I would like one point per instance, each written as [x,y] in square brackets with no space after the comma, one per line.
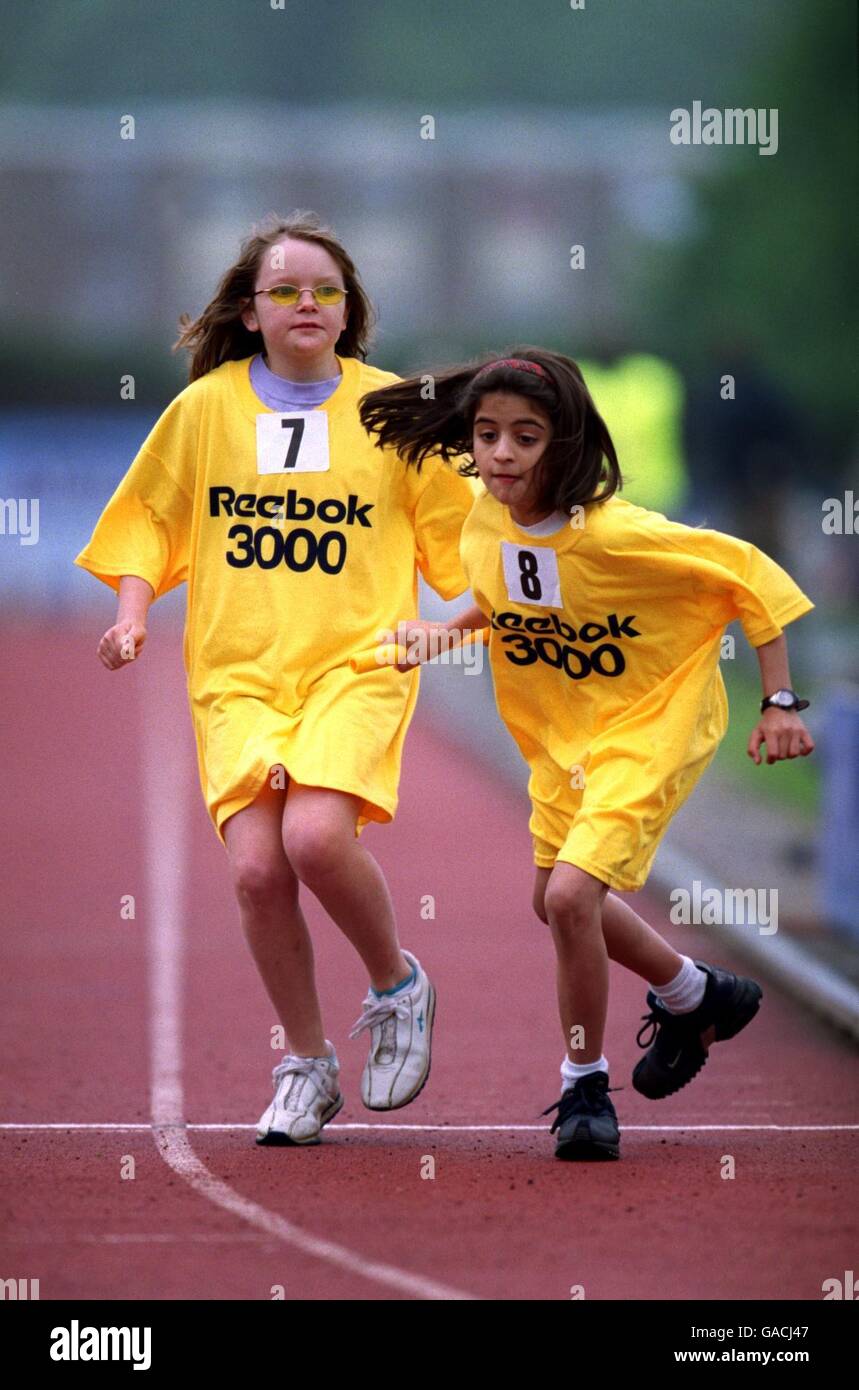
[748,445]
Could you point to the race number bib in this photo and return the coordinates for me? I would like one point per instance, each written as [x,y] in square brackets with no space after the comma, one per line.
[531,574]
[296,442]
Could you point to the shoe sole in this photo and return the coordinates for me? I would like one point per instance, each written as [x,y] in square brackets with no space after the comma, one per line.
[275,1138]
[746,1000]
[431,1010]
[574,1150]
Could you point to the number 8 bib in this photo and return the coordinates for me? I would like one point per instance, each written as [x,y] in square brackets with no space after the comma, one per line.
[531,574]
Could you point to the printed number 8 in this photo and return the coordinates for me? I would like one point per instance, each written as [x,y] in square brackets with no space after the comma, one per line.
[531,586]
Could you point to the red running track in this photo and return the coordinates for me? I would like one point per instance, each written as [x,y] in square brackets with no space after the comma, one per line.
[352,1218]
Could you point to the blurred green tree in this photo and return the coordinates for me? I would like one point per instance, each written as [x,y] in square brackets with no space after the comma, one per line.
[773,268]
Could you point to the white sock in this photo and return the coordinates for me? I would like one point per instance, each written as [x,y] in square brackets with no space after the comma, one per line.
[571,1072]
[320,1057]
[685,992]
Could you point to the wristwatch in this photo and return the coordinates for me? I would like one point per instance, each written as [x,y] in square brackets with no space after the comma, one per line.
[784,699]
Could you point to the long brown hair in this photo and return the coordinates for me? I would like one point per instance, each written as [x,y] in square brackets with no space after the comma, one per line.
[218,334]
[434,414]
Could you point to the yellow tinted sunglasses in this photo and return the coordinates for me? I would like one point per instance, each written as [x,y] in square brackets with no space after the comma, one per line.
[325,295]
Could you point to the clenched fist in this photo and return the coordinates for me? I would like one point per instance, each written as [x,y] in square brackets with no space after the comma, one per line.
[121,644]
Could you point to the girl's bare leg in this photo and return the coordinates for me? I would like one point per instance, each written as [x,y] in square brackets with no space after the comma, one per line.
[631,942]
[628,938]
[267,892]
[572,901]
[324,852]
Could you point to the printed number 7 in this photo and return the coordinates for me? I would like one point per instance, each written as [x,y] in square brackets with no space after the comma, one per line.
[297,427]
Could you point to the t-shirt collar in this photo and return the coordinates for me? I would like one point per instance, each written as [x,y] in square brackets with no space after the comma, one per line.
[547,527]
[251,406]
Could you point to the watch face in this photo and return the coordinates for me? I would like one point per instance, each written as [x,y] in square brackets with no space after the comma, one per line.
[783,698]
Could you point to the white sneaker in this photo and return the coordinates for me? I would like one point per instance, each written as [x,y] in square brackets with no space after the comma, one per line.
[306,1096]
[399,1061]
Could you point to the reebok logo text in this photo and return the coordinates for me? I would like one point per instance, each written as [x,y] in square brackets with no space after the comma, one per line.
[223,501]
[522,647]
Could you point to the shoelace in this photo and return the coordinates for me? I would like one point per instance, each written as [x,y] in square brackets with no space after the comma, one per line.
[651,1020]
[659,1018]
[378,1011]
[303,1067]
[582,1098]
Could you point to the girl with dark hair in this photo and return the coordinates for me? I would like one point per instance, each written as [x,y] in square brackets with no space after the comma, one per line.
[298,543]
[605,623]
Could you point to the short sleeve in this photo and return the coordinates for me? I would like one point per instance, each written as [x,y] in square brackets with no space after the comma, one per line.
[754,587]
[443,500]
[145,527]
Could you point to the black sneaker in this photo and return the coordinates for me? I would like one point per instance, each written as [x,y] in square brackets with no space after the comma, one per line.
[681,1042]
[586,1120]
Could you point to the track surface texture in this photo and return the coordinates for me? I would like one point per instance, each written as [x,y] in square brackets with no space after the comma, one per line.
[160,1023]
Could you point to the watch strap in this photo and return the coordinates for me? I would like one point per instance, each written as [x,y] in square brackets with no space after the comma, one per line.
[770,703]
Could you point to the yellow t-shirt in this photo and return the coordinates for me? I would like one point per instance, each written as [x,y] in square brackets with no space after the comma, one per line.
[604,648]
[301,542]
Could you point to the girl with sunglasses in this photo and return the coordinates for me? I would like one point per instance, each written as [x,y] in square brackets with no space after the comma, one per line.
[604,626]
[298,542]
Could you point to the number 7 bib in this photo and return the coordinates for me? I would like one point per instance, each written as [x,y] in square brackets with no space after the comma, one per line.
[296,442]
[531,574]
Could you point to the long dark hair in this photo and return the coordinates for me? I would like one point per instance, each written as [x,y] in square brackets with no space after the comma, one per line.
[434,414]
[218,335]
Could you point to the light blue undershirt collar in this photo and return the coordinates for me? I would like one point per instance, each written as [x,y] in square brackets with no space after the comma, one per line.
[278,393]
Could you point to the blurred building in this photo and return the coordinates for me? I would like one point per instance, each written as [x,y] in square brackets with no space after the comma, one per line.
[105,240]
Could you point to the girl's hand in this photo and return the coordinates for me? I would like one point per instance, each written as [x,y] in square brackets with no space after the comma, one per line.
[416,641]
[121,644]
[784,734]
[421,640]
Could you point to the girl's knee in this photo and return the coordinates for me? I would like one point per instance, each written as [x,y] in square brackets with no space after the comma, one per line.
[574,898]
[314,850]
[260,879]
[569,907]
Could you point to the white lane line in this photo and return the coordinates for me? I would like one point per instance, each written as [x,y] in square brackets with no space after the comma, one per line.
[167,777]
[176,1151]
[452,1129]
